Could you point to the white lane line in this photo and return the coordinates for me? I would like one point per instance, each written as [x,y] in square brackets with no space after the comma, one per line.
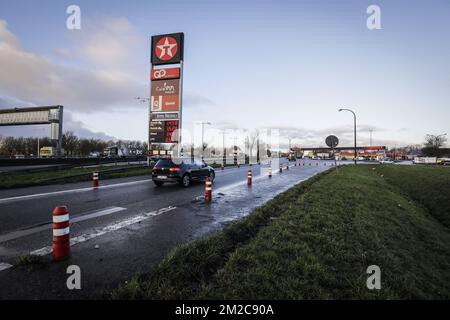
[4,266]
[26,232]
[99,232]
[54,193]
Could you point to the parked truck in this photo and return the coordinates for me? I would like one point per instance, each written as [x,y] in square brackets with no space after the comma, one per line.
[425,160]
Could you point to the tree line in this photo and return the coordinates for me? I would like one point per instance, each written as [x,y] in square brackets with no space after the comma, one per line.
[72,145]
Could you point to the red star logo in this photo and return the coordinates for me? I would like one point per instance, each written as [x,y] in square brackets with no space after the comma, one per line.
[166,48]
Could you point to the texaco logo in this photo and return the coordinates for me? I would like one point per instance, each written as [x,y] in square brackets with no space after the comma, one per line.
[166,48]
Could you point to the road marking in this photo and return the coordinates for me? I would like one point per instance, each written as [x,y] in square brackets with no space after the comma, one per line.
[4,266]
[54,193]
[99,232]
[48,225]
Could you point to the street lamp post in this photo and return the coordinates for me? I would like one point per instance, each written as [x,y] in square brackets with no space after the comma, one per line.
[203,132]
[224,156]
[354,122]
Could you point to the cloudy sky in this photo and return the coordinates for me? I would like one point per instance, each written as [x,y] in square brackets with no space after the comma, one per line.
[248,64]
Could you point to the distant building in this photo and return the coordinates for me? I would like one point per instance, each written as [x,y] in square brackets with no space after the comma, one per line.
[342,153]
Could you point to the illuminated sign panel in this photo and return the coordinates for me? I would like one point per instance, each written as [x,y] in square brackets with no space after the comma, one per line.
[165,103]
[166,92]
[167,48]
[163,74]
[165,87]
[162,131]
[164,116]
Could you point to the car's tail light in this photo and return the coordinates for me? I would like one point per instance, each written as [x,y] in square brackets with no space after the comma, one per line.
[174,169]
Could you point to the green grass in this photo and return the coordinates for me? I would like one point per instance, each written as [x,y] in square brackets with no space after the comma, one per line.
[427,185]
[10,180]
[315,241]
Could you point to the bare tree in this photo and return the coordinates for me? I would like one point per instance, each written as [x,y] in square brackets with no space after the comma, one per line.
[435,141]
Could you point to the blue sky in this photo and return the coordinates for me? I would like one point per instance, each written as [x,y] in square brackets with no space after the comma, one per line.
[248,64]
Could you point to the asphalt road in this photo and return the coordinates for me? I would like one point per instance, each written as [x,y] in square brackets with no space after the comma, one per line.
[124,227]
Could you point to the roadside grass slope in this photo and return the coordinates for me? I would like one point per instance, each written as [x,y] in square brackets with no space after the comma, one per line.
[314,241]
[427,185]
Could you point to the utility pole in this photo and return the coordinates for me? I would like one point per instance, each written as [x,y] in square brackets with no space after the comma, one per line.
[257,148]
[354,129]
[235,151]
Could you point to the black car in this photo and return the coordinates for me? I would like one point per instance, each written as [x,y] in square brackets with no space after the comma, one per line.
[184,171]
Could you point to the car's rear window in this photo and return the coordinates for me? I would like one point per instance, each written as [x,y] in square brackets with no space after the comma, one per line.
[164,163]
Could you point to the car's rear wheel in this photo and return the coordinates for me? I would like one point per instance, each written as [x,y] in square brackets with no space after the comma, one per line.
[158,183]
[185,181]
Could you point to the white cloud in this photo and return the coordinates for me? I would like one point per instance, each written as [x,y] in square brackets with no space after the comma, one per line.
[30,77]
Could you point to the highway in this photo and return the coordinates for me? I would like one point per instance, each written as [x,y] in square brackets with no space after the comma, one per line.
[125,226]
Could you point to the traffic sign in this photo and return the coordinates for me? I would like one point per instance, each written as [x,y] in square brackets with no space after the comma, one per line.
[332,141]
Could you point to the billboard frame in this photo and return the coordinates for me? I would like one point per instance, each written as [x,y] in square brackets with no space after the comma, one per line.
[50,121]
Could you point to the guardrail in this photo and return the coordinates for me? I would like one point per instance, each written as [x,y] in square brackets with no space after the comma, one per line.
[100,173]
[68,161]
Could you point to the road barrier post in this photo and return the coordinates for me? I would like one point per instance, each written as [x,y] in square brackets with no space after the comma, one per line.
[287,166]
[281,169]
[249,177]
[270,172]
[222,167]
[61,233]
[95,179]
[208,190]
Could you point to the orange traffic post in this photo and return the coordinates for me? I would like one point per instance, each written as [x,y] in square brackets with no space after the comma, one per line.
[208,190]
[61,233]
[95,179]
[249,177]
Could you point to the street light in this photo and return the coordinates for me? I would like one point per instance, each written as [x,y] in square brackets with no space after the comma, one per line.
[203,132]
[354,121]
[224,156]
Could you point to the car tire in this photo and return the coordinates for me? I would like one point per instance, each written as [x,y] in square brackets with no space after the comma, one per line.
[185,181]
[158,183]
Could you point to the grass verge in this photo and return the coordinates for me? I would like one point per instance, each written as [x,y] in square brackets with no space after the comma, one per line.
[9,180]
[315,241]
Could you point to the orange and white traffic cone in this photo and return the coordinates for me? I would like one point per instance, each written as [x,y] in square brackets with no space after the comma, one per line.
[249,177]
[61,233]
[208,190]
[95,179]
